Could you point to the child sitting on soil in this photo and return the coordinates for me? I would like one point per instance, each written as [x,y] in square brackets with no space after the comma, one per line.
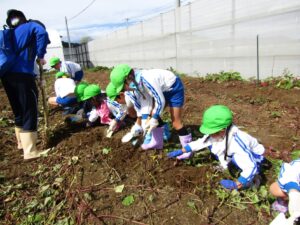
[287,189]
[165,88]
[92,94]
[231,146]
[71,68]
[64,90]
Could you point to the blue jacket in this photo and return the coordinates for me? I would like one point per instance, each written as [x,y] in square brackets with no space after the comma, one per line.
[35,37]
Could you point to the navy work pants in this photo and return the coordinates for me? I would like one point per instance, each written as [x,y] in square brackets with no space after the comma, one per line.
[22,94]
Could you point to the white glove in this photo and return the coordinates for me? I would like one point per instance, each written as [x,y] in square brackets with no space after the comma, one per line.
[294,203]
[113,125]
[151,124]
[136,130]
[144,123]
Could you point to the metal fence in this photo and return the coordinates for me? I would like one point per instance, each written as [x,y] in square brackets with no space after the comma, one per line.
[209,36]
[78,53]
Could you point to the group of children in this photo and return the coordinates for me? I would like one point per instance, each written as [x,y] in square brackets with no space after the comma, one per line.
[143,94]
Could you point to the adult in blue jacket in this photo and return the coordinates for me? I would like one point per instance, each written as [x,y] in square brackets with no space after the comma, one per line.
[19,82]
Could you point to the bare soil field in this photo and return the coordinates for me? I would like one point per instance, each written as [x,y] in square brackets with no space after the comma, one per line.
[90,179]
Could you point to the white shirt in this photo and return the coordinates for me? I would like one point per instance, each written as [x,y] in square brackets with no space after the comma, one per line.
[243,149]
[70,68]
[64,86]
[289,176]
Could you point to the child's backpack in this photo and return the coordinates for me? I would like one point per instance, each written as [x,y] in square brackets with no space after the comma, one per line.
[7,50]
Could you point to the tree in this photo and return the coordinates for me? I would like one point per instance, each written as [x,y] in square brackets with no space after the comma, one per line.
[85,39]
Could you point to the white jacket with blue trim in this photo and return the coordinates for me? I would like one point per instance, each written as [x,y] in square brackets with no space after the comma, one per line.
[243,149]
[289,176]
[155,82]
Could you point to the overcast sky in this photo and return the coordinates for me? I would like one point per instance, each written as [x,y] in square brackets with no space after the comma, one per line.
[98,18]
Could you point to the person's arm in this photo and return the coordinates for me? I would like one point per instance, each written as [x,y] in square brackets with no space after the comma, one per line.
[197,145]
[42,40]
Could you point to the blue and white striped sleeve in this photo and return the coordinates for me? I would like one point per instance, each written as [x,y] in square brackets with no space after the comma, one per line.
[117,110]
[155,91]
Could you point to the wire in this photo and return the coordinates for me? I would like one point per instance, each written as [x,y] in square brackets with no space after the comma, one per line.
[82,10]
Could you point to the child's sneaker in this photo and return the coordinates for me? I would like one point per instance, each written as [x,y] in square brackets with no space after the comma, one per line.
[280,205]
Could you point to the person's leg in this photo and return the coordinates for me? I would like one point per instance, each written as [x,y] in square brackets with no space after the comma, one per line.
[184,136]
[10,83]
[52,101]
[276,191]
[29,107]
[281,203]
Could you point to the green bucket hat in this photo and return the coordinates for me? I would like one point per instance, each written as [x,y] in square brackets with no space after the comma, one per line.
[91,91]
[60,74]
[215,118]
[111,91]
[79,90]
[118,76]
[54,61]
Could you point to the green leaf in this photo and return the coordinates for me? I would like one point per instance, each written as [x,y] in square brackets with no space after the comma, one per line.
[128,200]
[87,196]
[295,154]
[47,200]
[44,188]
[151,198]
[105,151]
[119,188]
[192,205]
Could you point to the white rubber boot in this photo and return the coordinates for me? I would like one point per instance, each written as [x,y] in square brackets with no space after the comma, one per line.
[28,140]
[17,132]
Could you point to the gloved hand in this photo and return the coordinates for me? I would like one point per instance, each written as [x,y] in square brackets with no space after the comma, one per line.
[175,153]
[113,125]
[229,184]
[136,130]
[151,124]
[294,203]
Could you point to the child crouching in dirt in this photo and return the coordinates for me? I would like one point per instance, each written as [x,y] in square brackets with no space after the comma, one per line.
[166,89]
[287,189]
[128,103]
[231,146]
[92,94]
[64,89]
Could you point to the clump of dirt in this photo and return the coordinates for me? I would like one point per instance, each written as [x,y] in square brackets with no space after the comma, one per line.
[80,175]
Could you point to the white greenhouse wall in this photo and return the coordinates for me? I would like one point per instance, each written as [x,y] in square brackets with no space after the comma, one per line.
[209,36]
[55,48]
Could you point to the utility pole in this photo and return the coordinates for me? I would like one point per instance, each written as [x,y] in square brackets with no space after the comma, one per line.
[69,41]
[178,4]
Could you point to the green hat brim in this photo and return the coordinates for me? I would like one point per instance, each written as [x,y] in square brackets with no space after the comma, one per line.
[119,88]
[206,130]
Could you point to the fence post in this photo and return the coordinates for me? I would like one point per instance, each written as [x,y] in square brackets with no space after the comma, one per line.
[257,57]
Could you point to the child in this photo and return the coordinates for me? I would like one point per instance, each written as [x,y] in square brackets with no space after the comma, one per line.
[92,94]
[287,189]
[230,145]
[128,102]
[165,88]
[71,68]
[64,90]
